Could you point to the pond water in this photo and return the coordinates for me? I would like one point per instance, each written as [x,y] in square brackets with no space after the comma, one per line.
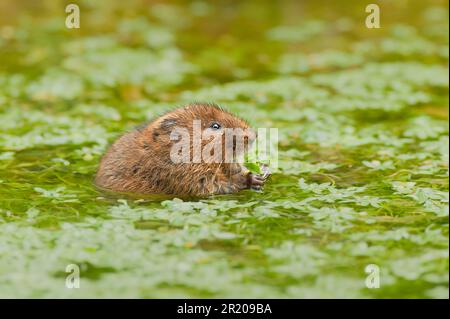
[362,172]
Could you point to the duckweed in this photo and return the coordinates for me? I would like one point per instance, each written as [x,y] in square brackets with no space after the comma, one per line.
[363,149]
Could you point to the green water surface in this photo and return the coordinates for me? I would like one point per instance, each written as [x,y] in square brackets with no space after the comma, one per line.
[363,148]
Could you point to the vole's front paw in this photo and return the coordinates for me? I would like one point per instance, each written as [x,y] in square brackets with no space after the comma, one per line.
[255,181]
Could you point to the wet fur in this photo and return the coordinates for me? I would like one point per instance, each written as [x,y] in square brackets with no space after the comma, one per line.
[139,161]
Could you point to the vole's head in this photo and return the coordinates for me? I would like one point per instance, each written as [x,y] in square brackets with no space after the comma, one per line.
[219,133]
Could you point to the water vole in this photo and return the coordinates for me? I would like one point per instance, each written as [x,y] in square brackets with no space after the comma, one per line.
[142,161]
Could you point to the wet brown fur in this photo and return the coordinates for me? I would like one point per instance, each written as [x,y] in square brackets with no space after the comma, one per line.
[139,161]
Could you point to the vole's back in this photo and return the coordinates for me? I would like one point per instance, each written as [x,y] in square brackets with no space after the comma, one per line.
[118,167]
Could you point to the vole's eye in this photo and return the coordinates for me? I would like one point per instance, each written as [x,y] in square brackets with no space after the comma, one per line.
[215,126]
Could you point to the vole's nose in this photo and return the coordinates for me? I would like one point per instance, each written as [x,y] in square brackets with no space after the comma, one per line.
[252,135]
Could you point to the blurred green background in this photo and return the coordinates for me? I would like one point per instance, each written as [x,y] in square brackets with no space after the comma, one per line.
[363,152]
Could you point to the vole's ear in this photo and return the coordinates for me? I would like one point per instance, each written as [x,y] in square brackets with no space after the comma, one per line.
[165,127]
[168,124]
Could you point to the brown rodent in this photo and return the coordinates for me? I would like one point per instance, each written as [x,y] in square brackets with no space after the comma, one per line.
[140,161]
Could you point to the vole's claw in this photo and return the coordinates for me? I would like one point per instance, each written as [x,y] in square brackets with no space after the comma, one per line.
[256,187]
[255,181]
[266,175]
[265,171]
[258,179]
